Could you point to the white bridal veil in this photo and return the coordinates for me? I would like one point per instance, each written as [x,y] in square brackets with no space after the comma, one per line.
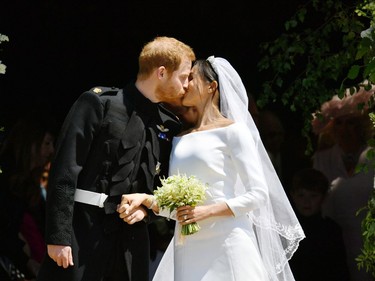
[275,224]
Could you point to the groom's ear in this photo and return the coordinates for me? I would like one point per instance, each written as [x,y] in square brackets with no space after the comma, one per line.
[161,71]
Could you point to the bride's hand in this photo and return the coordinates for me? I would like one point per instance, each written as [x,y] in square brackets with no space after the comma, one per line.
[131,201]
[189,214]
[130,209]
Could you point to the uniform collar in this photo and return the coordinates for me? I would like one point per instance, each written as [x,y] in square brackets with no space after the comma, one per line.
[139,101]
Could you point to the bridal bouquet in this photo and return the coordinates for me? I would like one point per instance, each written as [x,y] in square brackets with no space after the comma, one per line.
[180,190]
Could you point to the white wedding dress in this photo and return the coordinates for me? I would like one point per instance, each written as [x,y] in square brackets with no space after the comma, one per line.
[224,248]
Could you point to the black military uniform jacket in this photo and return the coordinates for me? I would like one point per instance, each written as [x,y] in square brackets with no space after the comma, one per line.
[112,141]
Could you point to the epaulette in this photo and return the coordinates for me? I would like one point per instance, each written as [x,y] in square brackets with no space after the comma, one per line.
[99,90]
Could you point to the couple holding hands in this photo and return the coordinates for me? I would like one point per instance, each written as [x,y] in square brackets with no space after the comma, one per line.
[180,116]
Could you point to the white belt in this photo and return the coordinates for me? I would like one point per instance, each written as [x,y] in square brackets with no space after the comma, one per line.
[89,197]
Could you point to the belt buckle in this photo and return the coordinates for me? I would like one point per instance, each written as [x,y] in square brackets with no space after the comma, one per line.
[102,199]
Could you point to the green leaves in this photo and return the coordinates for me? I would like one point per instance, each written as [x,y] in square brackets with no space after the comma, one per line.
[367,257]
[325,49]
[353,72]
[190,228]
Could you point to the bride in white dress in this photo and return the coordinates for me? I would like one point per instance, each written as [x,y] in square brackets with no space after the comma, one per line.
[248,230]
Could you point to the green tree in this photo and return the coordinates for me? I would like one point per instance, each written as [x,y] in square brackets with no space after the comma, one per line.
[367,258]
[328,46]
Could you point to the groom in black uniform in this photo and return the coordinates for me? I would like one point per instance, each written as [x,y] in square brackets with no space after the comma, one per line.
[113,142]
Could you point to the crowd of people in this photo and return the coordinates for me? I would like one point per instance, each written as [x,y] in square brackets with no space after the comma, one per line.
[77,201]
[344,130]
[25,155]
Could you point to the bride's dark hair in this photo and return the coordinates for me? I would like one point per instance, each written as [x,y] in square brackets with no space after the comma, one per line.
[205,69]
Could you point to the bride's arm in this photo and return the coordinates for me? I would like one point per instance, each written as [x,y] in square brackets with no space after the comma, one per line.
[252,191]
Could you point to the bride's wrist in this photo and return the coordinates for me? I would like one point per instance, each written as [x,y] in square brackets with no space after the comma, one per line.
[150,202]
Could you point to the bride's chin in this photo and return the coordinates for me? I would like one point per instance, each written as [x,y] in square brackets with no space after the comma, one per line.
[185,101]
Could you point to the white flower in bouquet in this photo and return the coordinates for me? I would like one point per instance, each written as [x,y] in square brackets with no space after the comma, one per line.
[180,190]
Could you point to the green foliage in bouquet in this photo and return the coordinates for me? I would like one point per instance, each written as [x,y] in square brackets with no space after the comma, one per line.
[180,190]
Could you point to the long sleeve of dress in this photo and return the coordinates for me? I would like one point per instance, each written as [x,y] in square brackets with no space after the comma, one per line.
[249,168]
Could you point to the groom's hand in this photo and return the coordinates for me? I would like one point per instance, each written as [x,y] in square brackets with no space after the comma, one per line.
[61,254]
[137,214]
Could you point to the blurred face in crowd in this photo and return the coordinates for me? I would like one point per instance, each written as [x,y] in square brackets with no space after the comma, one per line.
[347,127]
[307,202]
[42,155]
